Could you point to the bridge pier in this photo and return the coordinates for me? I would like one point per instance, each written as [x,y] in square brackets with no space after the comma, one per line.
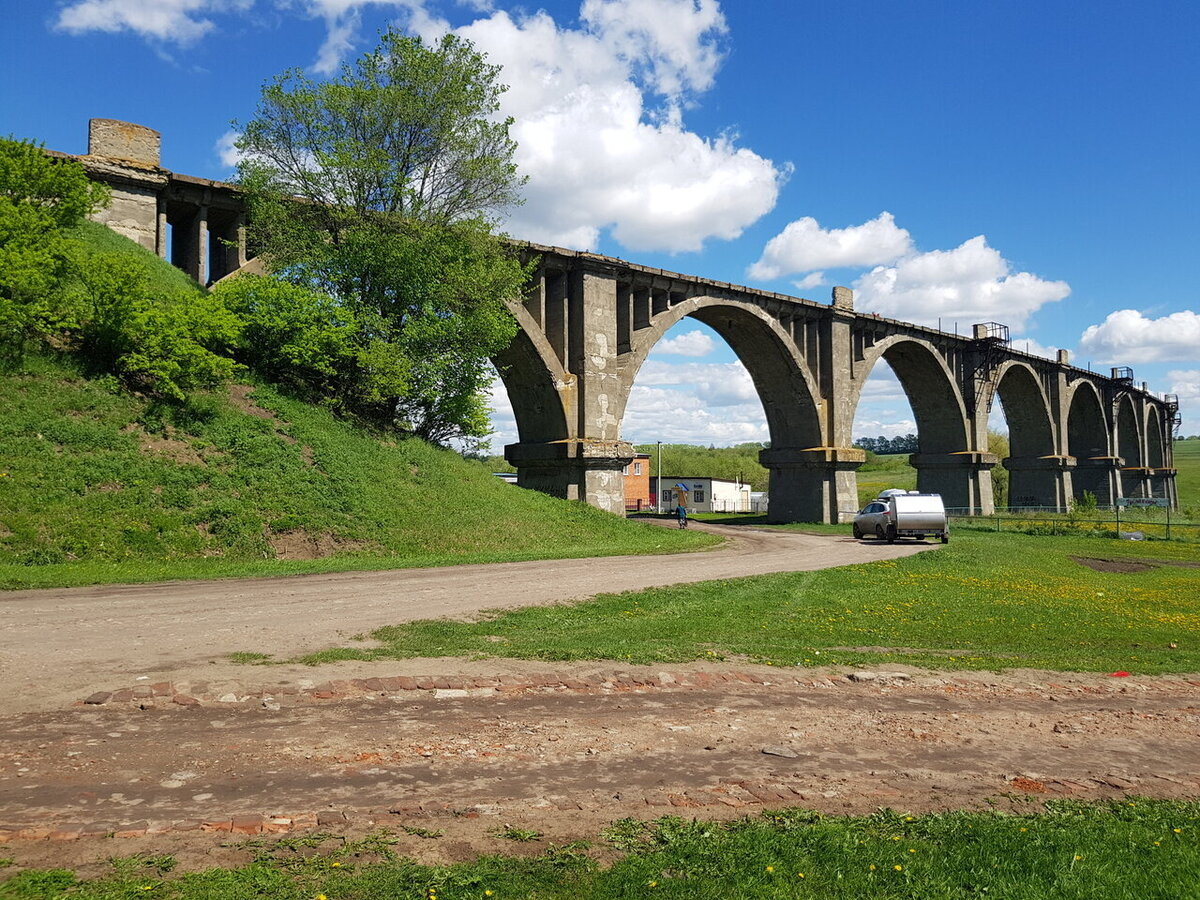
[1101,475]
[1162,484]
[1135,481]
[588,470]
[1039,481]
[817,484]
[964,479]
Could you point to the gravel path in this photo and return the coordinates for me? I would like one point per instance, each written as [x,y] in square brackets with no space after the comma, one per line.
[57,646]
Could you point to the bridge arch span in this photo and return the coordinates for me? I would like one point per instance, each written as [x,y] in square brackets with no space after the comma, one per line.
[782,380]
[1155,457]
[929,384]
[1088,442]
[1036,469]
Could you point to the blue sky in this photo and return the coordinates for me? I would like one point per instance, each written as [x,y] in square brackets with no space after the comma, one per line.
[1028,163]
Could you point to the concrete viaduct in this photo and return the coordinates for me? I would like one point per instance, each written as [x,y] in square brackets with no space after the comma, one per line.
[588,322]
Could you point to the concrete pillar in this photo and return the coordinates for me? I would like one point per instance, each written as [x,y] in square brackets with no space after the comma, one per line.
[189,234]
[581,323]
[963,479]
[1043,481]
[1101,475]
[1161,483]
[586,470]
[818,484]
[160,237]
[227,244]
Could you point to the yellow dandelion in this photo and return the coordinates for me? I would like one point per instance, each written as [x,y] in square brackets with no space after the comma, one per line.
[770,868]
[487,893]
[1176,830]
[1157,844]
[336,865]
[872,867]
[653,883]
[898,868]
[1024,829]
[1078,858]
[799,874]
[911,850]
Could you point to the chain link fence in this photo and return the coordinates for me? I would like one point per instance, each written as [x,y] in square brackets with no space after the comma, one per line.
[1107,521]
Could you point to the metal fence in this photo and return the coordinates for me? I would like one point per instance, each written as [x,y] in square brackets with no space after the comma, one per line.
[1106,521]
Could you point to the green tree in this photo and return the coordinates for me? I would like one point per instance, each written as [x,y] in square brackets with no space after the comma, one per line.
[40,199]
[998,444]
[381,189]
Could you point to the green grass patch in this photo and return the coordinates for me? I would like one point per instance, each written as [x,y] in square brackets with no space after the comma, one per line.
[985,601]
[97,486]
[1123,850]
[1187,475]
[882,472]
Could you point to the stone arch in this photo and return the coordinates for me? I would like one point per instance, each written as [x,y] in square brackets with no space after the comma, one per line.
[931,388]
[1128,438]
[1087,436]
[1026,411]
[1155,455]
[1088,442]
[536,382]
[1035,470]
[781,378]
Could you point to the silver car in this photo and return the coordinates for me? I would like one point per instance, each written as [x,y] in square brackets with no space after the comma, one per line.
[903,514]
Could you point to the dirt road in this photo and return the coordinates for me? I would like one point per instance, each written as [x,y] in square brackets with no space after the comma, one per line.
[57,646]
[178,748]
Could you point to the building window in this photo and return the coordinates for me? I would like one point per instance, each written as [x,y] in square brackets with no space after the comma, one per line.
[668,496]
[624,470]
[699,495]
[637,468]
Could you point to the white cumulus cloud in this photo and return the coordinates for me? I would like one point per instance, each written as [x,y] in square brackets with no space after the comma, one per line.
[971,283]
[692,343]
[605,148]
[804,246]
[170,21]
[1127,336]
[598,106]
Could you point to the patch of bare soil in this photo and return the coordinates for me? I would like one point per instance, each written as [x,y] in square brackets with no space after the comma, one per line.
[1129,564]
[301,544]
[166,445]
[239,396]
[565,751]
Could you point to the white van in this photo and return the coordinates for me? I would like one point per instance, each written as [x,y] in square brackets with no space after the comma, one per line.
[899,513]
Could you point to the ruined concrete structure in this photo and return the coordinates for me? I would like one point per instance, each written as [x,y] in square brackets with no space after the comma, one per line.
[197,224]
[588,323]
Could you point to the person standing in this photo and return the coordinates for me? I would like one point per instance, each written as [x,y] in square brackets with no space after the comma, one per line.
[681,513]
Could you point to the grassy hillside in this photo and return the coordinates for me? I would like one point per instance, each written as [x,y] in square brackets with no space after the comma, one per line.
[99,486]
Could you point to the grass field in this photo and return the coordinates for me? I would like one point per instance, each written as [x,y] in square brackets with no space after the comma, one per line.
[985,601]
[1187,477]
[98,486]
[1136,850]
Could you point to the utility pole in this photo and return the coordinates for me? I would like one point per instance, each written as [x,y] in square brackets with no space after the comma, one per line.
[658,499]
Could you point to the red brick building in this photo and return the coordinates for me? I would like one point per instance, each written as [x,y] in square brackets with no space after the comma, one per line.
[637,483]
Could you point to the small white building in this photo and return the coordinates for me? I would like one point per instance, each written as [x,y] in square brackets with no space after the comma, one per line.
[702,494]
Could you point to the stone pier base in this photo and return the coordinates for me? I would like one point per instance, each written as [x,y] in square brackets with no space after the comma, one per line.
[817,484]
[587,470]
[1041,481]
[963,479]
[1101,475]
